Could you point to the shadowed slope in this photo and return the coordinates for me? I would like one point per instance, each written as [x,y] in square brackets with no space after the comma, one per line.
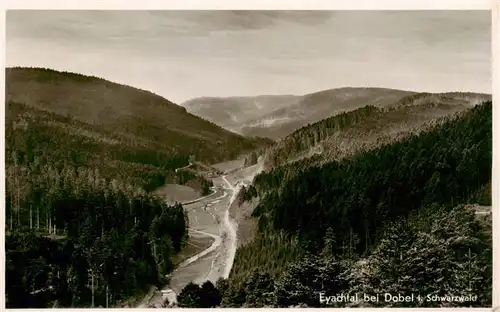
[143,117]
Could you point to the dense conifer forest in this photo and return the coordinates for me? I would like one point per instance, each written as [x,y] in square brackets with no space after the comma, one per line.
[80,231]
[357,195]
[396,219]
[82,226]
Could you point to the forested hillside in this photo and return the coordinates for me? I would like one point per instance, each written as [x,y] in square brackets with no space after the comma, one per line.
[233,113]
[319,105]
[76,200]
[139,117]
[71,232]
[390,219]
[275,116]
[82,156]
[368,127]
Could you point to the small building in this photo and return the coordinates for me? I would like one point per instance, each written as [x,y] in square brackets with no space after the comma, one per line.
[20,124]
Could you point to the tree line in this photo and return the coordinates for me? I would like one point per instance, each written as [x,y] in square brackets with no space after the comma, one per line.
[81,227]
[78,239]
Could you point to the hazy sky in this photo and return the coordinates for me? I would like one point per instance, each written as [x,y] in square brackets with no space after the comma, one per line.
[186,54]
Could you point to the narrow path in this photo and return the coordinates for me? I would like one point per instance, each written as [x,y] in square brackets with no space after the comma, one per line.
[215,244]
[167,292]
[217,260]
[231,226]
[199,198]
[189,165]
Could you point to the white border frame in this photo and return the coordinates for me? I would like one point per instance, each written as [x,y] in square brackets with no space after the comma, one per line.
[253,5]
[493,5]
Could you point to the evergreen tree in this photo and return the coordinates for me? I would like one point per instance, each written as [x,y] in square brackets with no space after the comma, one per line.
[210,295]
[329,243]
[259,290]
[190,297]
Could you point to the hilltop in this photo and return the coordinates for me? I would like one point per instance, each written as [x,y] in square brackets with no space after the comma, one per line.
[134,117]
[276,116]
[233,113]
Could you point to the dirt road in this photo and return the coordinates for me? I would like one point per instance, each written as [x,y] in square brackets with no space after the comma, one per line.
[209,216]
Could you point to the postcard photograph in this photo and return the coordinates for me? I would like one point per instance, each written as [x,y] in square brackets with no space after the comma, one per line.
[248,159]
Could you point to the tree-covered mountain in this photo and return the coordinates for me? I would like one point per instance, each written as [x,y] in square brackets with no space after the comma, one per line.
[233,113]
[389,219]
[277,116]
[368,127]
[123,131]
[140,118]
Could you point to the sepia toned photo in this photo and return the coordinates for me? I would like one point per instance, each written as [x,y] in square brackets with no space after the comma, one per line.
[248,159]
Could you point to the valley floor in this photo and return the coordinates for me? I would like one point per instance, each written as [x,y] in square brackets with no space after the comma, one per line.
[176,193]
[212,234]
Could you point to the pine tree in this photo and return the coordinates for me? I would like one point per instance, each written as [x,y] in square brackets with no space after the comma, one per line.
[387,261]
[259,290]
[190,297]
[299,284]
[329,243]
[210,295]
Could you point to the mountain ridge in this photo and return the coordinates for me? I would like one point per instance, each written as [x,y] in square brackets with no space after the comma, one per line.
[349,131]
[286,113]
[139,114]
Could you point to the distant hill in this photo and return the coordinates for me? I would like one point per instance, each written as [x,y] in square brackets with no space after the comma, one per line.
[130,116]
[234,112]
[277,116]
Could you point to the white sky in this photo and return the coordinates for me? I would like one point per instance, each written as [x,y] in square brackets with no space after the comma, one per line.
[185,54]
